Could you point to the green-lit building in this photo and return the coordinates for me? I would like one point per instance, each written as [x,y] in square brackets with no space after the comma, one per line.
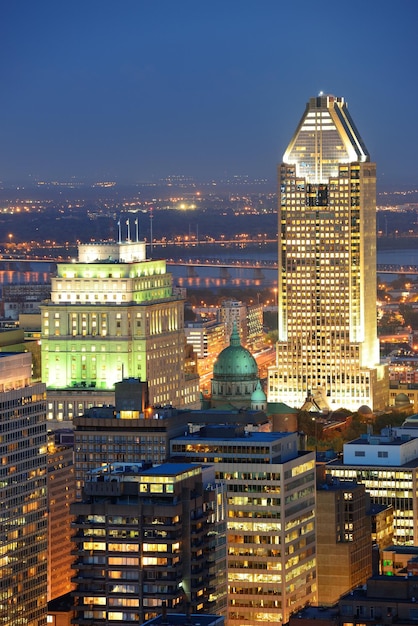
[113,315]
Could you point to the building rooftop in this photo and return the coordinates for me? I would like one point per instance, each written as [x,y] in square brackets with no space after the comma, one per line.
[170,469]
[412,550]
[236,433]
[387,438]
[183,619]
[318,613]
[338,485]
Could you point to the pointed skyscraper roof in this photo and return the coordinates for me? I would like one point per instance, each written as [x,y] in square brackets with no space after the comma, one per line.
[325,138]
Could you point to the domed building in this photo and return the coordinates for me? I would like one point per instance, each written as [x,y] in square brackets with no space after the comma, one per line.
[365,412]
[235,378]
[402,402]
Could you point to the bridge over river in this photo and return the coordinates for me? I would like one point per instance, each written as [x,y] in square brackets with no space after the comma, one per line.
[258,265]
[207,272]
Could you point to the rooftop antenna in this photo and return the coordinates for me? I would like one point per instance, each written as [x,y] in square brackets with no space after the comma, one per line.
[119,233]
[136,229]
[150,227]
[129,229]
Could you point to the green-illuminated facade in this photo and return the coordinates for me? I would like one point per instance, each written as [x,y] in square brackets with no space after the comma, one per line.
[113,315]
[327,338]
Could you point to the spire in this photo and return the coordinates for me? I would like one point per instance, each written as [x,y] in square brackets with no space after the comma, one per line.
[235,338]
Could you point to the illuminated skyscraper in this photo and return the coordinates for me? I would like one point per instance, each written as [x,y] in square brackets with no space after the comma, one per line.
[23,496]
[113,315]
[327,339]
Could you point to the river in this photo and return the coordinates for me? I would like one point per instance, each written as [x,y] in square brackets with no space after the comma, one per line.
[205,277]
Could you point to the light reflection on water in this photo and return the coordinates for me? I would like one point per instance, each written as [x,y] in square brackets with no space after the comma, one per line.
[216,276]
[17,277]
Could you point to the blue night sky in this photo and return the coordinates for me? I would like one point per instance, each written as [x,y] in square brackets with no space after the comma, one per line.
[134,90]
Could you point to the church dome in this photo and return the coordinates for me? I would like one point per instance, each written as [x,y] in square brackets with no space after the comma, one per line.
[235,362]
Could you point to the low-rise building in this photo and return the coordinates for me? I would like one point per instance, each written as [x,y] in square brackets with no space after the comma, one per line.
[387,465]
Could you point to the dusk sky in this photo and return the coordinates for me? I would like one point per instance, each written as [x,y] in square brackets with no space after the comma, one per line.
[135,90]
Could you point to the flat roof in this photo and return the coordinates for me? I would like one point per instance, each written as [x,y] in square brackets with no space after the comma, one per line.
[170,469]
[365,466]
[249,437]
[183,619]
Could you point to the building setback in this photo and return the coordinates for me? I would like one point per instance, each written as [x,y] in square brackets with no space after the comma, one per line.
[113,315]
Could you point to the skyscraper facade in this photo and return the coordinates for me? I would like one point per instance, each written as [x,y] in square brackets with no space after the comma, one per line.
[271,562]
[113,315]
[23,494]
[327,338]
[145,538]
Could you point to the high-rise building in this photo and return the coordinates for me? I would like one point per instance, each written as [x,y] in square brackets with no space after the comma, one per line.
[61,493]
[23,497]
[271,518]
[327,338]
[147,538]
[113,315]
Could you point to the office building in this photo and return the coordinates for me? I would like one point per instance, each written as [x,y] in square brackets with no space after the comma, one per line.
[147,538]
[23,496]
[126,432]
[113,315]
[327,339]
[234,312]
[384,600]
[133,430]
[23,298]
[61,493]
[343,539]
[255,326]
[399,561]
[387,465]
[271,518]
[207,337]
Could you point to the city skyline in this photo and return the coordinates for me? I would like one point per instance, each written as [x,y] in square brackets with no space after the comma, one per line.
[141,91]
